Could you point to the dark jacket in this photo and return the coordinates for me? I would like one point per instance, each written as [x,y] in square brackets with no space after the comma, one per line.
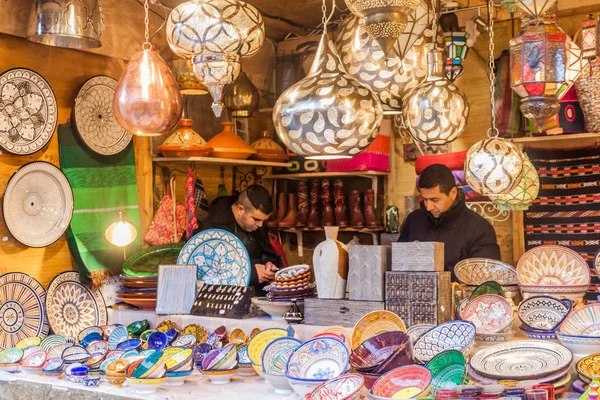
[465,233]
[257,243]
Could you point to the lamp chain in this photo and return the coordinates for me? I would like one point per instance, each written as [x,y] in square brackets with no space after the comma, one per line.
[492,66]
[434,23]
[146,45]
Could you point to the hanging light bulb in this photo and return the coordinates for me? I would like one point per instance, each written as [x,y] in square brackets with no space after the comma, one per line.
[521,197]
[493,166]
[147,100]
[216,35]
[328,114]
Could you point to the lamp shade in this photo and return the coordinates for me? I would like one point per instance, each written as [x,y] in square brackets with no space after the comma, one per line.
[121,233]
[524,193]
[216,71]
[241,97]
[183,70]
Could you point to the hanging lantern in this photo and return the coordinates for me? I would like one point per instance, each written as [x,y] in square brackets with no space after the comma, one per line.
[216,34]
[510,5]
[589,38]
[456,48]
[384,20]
[524,193]
[575,64]
[184,75]
[538,58]
[418,21]
[328,114]
[241,97]
[535,8]
[436,111]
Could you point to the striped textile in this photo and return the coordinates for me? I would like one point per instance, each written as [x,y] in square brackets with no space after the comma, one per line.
[102,186]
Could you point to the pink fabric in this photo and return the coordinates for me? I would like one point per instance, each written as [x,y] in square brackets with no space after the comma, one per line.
[376,157]
[454,161]
[190,207]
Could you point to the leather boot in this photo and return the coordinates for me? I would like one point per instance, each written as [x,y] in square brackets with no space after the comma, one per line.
[290,218]
[281,210]
[314,219]
[327,219]
[356,216]
[302,215]
[340,204]
[370,214]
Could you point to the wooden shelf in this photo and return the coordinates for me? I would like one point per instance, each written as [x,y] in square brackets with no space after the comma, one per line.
[304,175]
[221,161]
[540,139]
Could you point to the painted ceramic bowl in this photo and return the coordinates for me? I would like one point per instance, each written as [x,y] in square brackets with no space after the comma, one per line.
[257,344]
[51,341]
[157,340]
[280,383]
[154,362]
[416,331]
[572,292]
[91,381]
[31,350]
[29,342]
[75,354]
[53,366]
[243,356]
[12,355]
[91,329]
[543,312]
[219,359]
[98,347]
[373,324]
[580,345]
[146,334]
[538,334]
[320,358]
[302,387]
[95,361]
[137,328]
[277,353]
[117,367]
[171,334]
[35,360]
[201,350]
[370,379]
[584,321]
[452,335]
[116,380]
[475,271]
[489,312]
[177,378]
[140,385]
[13,367]
[291,272]
[118,335]
[108,329]
[90,338]
[588,366]
[128,345]
[407,382]
[220,377]
[181,361]
[375,351]
[552,265]
[448,370]
[491,338]
[344,387]
[275,309]
[104,364]
[187,340]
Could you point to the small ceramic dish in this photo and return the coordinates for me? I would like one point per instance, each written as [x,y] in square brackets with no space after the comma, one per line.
[177,378]
[588,366]
[128,345]
[407,382]
[180,360]
[201,350]
[98,347]
[51,341]
[140,385]
[157,340]
[95,361]
[346,387]
[217,357]
[91,381]
[543,312]
[52,366]
[490,287]
[220,377]
[291,272]
[91,329]
[171,335]
[108,329]
[146,334]
[149,365]
[57,350]
[279,382]
[116,380]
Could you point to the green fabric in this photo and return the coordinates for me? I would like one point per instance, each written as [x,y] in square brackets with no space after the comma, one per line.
[102,186]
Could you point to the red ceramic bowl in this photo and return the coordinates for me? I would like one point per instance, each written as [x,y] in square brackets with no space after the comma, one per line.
[414,380]
[388,350]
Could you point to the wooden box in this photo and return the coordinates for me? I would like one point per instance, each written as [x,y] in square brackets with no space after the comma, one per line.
[418,257]
[366,274]
[329,312]
[176,290]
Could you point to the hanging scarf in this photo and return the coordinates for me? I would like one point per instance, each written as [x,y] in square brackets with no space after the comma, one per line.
[190,207]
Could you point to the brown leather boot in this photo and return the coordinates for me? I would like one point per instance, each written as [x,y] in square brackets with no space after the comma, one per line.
[302,215]
[327,219]
[290,218]
[340,204]
[370,214]
[314,219]
[281,210]
[356,216]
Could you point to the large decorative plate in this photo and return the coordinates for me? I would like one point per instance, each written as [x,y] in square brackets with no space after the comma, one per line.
[452,335]
[37,204]
[475,271]
[146,261]
[95,119]
[72,307]
[521,360]
[552,265]
[22,301]
[221,258]
[489,312]
[373,324]
[28,111]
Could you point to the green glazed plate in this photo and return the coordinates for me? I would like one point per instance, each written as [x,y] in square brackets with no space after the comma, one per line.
[146,261]
[447,370]
[489,287]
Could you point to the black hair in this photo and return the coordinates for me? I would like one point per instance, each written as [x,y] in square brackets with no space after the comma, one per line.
[437,175]
[259,197]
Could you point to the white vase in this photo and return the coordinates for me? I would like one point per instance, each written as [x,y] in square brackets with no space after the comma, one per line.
[330,263]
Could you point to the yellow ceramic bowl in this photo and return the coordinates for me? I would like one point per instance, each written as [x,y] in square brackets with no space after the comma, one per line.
[29,342]
[257,368]
[257,344]
[174,360]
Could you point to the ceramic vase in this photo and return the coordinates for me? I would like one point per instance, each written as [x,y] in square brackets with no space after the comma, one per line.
[330,262]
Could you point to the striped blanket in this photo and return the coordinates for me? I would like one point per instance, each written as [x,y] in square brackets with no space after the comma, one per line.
[102,186]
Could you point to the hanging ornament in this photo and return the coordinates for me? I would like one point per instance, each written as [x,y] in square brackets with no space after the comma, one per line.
[536,8]
[216,34]
[493,166]
[147,100]
[589,38]
[241,97]
[524,193]
[384,20]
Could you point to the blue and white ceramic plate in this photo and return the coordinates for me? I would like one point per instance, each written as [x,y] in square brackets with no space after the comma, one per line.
[221,258]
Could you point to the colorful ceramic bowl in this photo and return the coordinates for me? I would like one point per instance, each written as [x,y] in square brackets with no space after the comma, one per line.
[543,312]
[138,327]
[552,265]
[177,378]
[154,367]
[373,324]
[12,355]
[416,331]
[95,361]
[51,341]
[580,345]
[179,361]
[589,367]
[490,287]
[117,336]
[52,366]
[91,329]
[302,387]
[407,382]
[490,338]
[108,329]
[187,340]
[538,334]
[217,357]
[140,385]
[171,335]
[475,271]
[91,338]
[98,347]
[344,387]
[373,352]
[201,350]
[448,370]
[146,334]
[130,344]
[91,381]
[489,313]
[220,377]
[157,340]
[279,382]
[277,353]
[117,367]
[257,344]
[584,321]
[275,309]
[452,335]
[573,292]
[319,358]
[29,342]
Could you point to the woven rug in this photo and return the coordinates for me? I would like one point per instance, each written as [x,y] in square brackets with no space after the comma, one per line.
[102,186]
[567,210]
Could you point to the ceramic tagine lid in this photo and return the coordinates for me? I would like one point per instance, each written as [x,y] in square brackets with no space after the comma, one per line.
[185,142]
[267,149]
[229,145]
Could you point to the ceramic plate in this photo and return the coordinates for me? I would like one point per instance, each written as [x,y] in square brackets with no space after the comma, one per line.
[584,321]
[552,265]
[543,312]
[448,369]
[321,358]
[475,271]
[220,256]
[452,335]
[292,272]
[94,117]
[490,313]
[257,344]
[146,261]
[22,303]
[589,366]
[521,360]
[29,111]
[72,307]
[37,204]
[373,324]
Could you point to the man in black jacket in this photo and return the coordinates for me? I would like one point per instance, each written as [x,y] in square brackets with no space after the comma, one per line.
[244,216]
[444,217]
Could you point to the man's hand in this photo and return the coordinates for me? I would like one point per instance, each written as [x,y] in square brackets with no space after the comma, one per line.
[264,273]
[271,267]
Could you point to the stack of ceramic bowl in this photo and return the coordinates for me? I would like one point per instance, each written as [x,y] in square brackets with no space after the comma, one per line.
[407,382]
[448,370]
[147,374]
[554,271]
[274,360]
[75,354]
[456,335]
[580,330]
[76,372]
[492,316]
[179,366]
[291,283]
[344,387]
[220,365]
[115,372]
[55,345]
[541,315]
[476,271]
[138,291]
[588,367]
[316,361]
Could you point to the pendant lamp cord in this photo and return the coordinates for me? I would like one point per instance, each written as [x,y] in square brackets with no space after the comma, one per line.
[325,19]
[146,46]
[493,132]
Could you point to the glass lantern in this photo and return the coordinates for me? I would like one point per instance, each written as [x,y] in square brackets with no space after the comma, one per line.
[535,8]
[456,49]
[524,193]
[216,71]
[588,37]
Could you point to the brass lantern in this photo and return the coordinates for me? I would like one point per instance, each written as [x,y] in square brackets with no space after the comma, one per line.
[241,97]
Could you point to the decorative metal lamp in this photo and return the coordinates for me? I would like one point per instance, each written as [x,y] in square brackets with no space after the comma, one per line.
[538,58]
[328,114]
[384,20]
[589,35]
[456,48]
[216,35]
[575,65]
[121,233]
[67,23]
[241,97]
[524,193]
[184,75]
[418,21]
[536,8]
[147,100]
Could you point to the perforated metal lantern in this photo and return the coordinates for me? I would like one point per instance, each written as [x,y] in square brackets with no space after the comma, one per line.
[524,193]
[328,114]
[241,97]
[538,56]
[456,50]
[215,71]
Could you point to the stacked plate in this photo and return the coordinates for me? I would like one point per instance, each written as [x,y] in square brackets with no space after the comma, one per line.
[292,283]
[138,291]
